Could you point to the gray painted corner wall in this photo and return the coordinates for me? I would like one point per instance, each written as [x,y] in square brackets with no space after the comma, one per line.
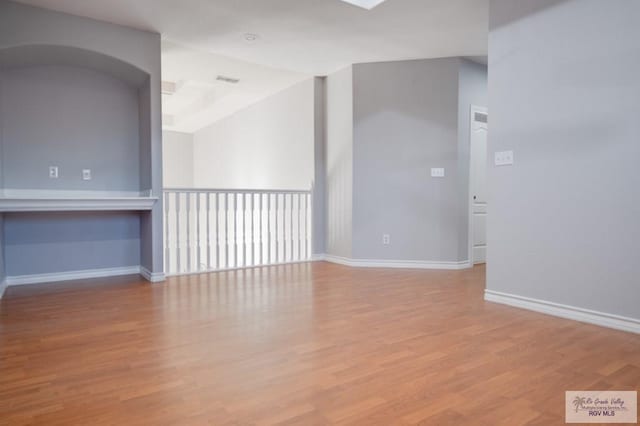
[339,162]
[1,132]
[564,223]
[42,243]
[320,165]
[22,25]
[72,118]
[472,91]
[3,269]
[144,136]
[405,122]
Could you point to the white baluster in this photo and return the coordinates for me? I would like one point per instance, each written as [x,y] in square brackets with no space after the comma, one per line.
[208,195]
[167,262]
[226,231]
[299,228]
[178,265]
[253,236]
[260,245]
[277,258]
[217,230]
[268,228]
[198,245]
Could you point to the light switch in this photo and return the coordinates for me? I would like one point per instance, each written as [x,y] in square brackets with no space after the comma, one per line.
[86,174]
[53,172]
[437,172]
[503,158]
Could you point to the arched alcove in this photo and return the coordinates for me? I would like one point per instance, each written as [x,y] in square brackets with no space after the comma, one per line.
[75,110]
[88,98]
[51,55]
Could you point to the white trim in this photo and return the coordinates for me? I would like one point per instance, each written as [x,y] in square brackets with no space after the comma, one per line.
[71,275]
[3,287]
[401,264]
[75,204]
[565,311]
[73,194]
[153,277]
[213,270]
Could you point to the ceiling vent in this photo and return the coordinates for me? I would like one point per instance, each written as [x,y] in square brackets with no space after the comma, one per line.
[227,79]
[169,87]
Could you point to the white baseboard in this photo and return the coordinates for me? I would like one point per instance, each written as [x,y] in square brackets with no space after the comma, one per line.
[403,264]
[71,275]
[565,311]
[3,287]
[154,277]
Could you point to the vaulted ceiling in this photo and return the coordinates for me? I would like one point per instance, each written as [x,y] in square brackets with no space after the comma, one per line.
[315,37]
[272,44]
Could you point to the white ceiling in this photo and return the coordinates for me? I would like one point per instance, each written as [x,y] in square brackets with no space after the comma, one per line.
[314,37]
[296,39]
[200,99]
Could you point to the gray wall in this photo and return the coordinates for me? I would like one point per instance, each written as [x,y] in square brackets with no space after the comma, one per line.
[564,220]
[320,166]
[339,157]
[41,243]
[3,269]
[472,90]
[405,122]
[72,118]
[25,25]
[1,132]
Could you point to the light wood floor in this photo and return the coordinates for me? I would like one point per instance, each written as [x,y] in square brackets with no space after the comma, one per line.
[307,344]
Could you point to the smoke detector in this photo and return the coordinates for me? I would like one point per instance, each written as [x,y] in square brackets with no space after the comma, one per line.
[251,37]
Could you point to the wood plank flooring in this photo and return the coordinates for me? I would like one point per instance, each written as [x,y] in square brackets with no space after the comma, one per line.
[305,344]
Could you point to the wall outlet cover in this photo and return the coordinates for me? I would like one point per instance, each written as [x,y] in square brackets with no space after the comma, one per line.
[86,174]
[53,172]
[503,158]
[437,172]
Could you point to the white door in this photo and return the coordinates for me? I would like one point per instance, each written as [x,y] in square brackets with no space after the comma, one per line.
[478,190]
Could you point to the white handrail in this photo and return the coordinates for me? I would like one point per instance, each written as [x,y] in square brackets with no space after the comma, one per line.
[210,230]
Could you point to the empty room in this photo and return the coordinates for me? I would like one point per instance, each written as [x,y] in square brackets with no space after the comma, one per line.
[319,212]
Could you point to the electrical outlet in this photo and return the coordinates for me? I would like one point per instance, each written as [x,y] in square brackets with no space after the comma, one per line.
[437,172]
[386,239]
[53,172]
[86,174]
[503,158]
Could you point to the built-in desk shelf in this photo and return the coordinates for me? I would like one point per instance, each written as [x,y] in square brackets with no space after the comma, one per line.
[58,201]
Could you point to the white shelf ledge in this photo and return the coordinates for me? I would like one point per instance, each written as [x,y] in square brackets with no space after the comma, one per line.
[58,201]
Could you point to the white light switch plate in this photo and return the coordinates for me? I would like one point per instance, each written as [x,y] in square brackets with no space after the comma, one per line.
[86,174]
[503,158]
[437,172]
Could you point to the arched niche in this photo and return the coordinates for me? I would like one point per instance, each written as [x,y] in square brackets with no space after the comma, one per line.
[41,55]
[80,110]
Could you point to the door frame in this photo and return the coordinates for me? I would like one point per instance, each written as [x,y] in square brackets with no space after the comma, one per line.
[473,109]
